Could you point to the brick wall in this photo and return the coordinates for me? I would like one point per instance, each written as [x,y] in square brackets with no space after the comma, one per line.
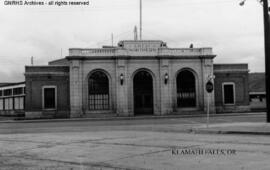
[37,77]
[232,73]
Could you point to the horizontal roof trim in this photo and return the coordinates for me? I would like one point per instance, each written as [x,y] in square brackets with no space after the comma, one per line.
[12,84]
[257,93]
[138,57]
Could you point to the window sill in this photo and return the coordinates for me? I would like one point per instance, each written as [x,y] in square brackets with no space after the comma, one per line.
[229,104]
[49,109]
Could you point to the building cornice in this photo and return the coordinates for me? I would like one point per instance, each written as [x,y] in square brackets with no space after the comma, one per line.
[231,71]
[139,57]
[47,73]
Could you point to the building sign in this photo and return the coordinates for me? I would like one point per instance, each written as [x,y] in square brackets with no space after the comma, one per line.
[142,48]
[139,46]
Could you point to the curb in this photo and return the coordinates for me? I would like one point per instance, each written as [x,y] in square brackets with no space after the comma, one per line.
[245,133]
[229,132]
[129,118]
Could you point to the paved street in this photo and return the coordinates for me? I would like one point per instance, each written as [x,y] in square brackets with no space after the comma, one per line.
[133,144]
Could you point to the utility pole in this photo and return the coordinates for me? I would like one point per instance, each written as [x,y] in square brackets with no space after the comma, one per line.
[267,56]
[32,60]
[135,33]
[140,19]
[112,39]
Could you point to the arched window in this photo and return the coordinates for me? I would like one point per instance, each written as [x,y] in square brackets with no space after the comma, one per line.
[186,93]
[98,91]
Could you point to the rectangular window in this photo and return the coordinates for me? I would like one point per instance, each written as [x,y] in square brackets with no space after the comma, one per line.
[49,97]
[1,93]
[98,101]
[1,104]
[16,103]
[8,92]
[8,103]
[19,103]
[18,91]
[228,93]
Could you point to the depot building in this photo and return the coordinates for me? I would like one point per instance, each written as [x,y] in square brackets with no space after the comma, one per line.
[137,77]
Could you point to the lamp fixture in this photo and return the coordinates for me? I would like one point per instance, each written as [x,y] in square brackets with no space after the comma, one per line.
[121,79]
[166,78]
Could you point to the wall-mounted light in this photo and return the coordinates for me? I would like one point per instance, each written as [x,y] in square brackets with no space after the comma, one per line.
[211,77]
[121,79]
[166,78]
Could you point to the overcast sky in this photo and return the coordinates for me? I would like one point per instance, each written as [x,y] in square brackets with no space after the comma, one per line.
[234,32]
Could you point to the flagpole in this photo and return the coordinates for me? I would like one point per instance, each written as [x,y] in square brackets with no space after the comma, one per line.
[140,19]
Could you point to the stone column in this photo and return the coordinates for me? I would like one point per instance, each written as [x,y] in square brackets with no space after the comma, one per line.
[208,71]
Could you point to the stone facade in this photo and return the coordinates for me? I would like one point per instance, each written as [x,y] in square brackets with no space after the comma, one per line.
[73,77]
[129,58]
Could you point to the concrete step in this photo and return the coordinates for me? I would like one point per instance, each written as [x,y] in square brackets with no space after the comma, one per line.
[188,112]
[99,115]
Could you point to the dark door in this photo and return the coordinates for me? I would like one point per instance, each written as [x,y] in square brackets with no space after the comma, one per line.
[143,93]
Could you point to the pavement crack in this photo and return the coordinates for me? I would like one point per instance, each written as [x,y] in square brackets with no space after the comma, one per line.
[136,155]
[152,152]
[141,145]
[23,141]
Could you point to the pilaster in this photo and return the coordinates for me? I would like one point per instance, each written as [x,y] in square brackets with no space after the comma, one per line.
[76,84]
[165,88]
[121,89]
[208,71]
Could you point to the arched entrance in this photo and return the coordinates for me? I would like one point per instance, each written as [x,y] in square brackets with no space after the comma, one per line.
[98,91]
[143,93]
[186,89]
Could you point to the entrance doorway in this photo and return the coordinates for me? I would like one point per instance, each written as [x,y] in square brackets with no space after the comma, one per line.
[186,93]
[143,93]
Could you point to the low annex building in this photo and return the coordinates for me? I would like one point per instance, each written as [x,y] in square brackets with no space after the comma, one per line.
[12,99]
[134,78]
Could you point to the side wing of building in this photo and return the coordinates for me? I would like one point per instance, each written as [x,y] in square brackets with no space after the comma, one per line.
[231,88]
[47,89]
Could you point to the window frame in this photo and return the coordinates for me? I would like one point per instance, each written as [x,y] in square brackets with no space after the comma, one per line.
[55,96]
[20,101]
[223,94]
[8,103]
[2,101]
[14,91]
[187,92]
[95,97]
[9,95]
